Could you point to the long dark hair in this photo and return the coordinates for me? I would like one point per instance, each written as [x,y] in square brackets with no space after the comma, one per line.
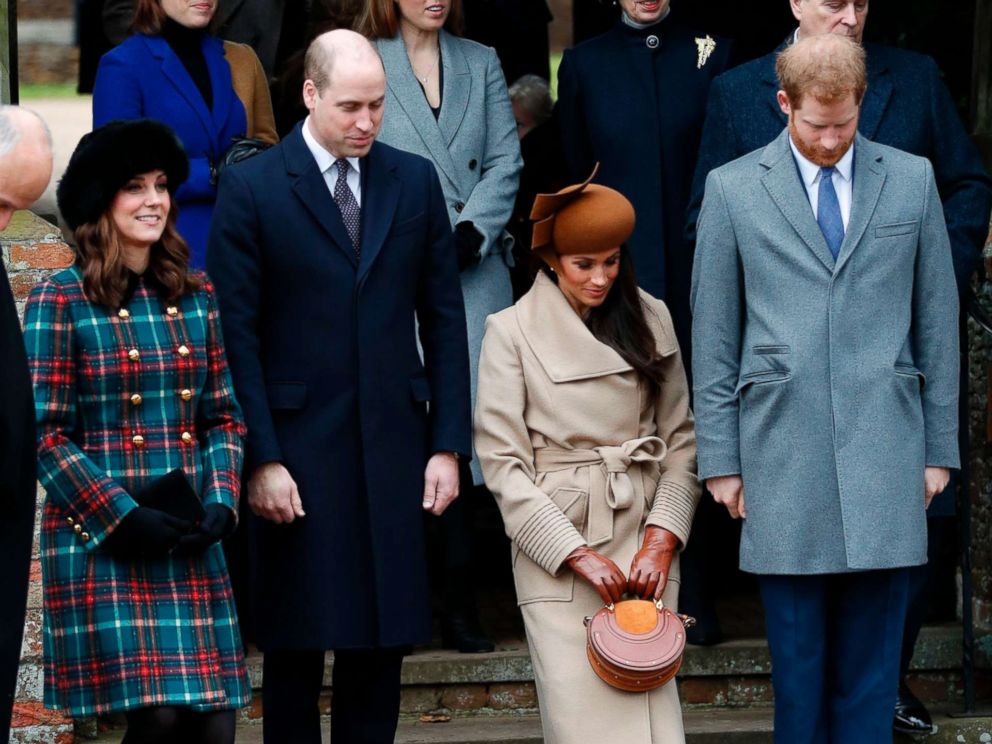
[620,323]
[105,275]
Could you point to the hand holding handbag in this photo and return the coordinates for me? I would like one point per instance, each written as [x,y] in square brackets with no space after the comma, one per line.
[636,645]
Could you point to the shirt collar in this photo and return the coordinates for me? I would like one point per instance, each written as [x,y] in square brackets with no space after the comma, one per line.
[810,171]
[325,160]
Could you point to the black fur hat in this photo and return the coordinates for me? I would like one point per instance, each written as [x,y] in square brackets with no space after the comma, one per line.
[108,157]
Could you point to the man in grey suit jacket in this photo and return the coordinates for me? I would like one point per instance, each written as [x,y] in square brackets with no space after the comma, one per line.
[826,383]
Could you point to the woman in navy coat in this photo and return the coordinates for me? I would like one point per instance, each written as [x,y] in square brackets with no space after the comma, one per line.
[174,71]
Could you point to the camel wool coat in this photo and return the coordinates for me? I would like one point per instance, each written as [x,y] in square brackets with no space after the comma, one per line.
[578,450]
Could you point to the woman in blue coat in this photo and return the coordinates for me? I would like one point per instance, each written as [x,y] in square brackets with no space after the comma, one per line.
[174,71]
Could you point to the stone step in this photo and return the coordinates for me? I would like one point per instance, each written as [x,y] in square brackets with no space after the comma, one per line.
[729,726]
[735,673]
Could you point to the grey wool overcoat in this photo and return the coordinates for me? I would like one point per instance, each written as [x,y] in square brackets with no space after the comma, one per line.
[828,385]
[474,147]
[578,450]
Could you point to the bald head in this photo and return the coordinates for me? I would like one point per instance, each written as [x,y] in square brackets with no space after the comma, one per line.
[340,45]
[25,160]
[345,92]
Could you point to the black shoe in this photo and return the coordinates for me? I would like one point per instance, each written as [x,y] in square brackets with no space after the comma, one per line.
[911,716]
[458,631]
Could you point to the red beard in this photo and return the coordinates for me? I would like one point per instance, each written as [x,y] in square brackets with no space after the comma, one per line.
[814,153]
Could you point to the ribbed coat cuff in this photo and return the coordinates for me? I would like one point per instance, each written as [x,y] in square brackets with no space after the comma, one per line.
[673,509]
[547,537]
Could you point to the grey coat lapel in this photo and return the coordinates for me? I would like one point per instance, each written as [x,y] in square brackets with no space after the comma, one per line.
[783,183]
[457,88]
[407,91]
[869,176]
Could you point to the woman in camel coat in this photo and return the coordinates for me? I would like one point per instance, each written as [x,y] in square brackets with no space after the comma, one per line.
[586,440]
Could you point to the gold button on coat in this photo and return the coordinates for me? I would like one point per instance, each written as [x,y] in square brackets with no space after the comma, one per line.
[139,441]
[123,313]
[183,350]
[186,394]
[172,310]
[85,537]
[186,437]
[70,520]
[133,355]
[78,528]
[136,399]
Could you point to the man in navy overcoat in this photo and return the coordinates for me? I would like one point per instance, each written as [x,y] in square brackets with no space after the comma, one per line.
[826,388]
[25,169]
[907,106]
[329,251]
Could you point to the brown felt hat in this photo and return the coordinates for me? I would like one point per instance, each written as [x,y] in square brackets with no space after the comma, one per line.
[584,218]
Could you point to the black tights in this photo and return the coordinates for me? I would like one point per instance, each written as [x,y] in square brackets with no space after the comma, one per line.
[166,724]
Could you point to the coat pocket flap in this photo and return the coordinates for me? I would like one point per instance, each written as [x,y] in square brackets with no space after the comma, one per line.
[420,389]
[757,378]
[896,228]
[286,396]
[910,371]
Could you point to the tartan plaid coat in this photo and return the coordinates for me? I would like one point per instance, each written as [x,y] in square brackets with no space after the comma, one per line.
[122,396]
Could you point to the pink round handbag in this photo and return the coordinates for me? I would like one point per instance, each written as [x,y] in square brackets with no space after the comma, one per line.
[636,645]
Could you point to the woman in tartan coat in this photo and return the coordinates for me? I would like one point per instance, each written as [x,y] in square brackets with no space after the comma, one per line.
[131,382]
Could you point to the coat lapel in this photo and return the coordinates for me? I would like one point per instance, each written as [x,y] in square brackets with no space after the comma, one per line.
[380,195]
[457,88]
[220,81]
[877,96]
[783,183]
[553,331]
[311,189]
[407,91]
[869,177]
[769,82]
[176,73]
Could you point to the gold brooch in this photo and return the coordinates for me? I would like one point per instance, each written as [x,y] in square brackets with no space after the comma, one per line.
[704,48]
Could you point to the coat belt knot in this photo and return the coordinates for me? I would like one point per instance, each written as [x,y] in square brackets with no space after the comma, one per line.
[610,486]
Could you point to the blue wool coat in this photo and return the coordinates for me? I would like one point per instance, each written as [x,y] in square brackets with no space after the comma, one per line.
[143,78]
[124,634]
[827,385]
[325,362]
[474,147]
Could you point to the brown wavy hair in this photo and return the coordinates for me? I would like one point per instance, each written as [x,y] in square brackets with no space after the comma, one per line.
[100,255]
[379,19]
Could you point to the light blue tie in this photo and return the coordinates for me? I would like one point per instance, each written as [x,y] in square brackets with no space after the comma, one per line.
[828,212]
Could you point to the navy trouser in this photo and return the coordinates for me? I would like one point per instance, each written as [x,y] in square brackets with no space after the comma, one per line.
[365,699]
[835,642]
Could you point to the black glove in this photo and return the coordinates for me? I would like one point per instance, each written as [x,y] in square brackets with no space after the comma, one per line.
[145,533]
[215,526]
[468,241]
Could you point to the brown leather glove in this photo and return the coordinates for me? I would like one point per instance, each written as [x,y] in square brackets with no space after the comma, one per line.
[649,569]
[599,571]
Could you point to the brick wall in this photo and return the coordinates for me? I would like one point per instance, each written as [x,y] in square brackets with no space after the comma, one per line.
[33,249]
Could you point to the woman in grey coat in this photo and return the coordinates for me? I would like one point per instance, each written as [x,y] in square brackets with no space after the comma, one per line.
[447,100]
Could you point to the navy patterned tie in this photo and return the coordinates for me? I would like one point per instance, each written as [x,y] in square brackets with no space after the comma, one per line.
[351,213]
[828,212]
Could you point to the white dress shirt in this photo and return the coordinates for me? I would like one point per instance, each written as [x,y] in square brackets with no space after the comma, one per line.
[325,162]
[842,179]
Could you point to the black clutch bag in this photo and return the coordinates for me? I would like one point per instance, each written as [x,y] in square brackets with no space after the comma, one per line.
[172,494]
